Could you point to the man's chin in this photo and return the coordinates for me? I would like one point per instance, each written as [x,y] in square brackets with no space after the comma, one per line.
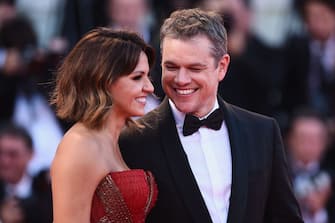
[184,108]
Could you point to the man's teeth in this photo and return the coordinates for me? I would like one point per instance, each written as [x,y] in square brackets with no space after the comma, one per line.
[184,92]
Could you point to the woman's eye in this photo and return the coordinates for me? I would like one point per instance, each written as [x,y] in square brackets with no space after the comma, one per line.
[138,77]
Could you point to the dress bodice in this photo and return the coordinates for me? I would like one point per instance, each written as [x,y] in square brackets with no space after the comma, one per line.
[125,196]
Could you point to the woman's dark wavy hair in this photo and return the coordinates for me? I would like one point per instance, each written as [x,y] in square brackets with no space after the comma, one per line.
[83,79]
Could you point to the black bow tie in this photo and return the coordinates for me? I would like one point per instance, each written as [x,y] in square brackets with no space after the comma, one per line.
[192,123]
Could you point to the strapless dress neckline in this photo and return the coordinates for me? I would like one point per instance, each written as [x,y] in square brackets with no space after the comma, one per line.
[124,196]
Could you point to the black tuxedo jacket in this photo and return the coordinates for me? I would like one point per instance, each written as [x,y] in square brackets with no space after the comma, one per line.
[260,191]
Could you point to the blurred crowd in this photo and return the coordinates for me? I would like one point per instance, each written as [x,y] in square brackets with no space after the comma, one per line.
[282,65]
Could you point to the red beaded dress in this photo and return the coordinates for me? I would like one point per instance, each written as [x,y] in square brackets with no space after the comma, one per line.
[123,197]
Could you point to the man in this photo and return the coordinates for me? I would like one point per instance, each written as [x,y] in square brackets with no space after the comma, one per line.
[23,198]
[310,80]
[16,151]
[307,147]
[233,173]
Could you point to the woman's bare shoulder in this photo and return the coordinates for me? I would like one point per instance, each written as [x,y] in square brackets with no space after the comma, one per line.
[77,153]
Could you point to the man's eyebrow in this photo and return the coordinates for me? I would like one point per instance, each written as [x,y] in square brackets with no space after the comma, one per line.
[168,62]
[188,65]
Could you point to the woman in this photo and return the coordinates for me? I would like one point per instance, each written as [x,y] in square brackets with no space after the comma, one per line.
[100,85]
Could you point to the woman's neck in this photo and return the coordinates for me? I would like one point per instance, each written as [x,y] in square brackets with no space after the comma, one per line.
[114,125]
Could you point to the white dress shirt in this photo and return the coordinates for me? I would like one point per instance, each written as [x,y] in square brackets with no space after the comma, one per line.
[209,155]
[2,57]
[22,189]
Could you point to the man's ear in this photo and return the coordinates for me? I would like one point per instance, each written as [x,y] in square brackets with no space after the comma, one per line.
[223,66]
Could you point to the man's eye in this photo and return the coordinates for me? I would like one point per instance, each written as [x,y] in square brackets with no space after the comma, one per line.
[171,68]
[196,70]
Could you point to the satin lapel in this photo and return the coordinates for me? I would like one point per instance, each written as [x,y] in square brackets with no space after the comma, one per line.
[239,186]
[180,170]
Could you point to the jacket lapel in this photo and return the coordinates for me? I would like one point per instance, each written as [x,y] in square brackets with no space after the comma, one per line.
[239,186]
[178,164]
[182,174]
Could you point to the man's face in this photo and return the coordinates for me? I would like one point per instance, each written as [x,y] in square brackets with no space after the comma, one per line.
[127,13]
[14,158]
[320,20]
[308,139]
[190,73]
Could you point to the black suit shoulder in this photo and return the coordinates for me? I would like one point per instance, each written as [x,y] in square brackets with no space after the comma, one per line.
[145,128]
[249,118]
[135,141]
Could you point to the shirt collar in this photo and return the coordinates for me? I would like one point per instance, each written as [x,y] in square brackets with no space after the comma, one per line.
[180,116]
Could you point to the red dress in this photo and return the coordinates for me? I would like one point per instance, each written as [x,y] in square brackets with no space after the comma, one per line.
[125,196]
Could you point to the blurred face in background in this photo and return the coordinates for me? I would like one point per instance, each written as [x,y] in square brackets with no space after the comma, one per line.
[7,12]
[127,13]
[320,20]
[14,158]
[307,140]
[236,17]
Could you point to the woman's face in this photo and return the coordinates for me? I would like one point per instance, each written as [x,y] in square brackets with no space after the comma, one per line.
[129,92]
